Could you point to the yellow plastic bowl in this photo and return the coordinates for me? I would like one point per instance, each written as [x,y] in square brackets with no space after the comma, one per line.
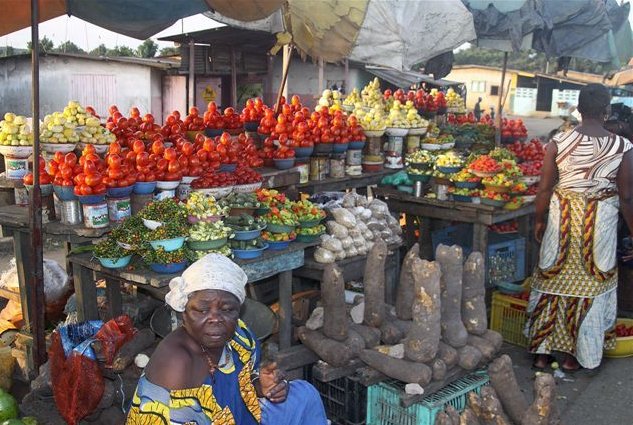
[623,345]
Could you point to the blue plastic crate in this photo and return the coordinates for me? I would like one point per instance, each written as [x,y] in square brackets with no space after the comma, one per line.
[459,234]
[383,401]
[344,399]
[505,260]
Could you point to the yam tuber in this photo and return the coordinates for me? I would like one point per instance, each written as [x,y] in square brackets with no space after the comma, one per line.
[335,324]
[494,338]
[541,409]
[333,352]
[406,287]
[452,414]
[482,344]
[453,330]
[491,410]
[447,354]
[424,335]
[474,295]
[375,285]
[139,342]
[390,333]
[469,357]
[371,336]
[504,381]
[468,417]
[402,370]
[439,370]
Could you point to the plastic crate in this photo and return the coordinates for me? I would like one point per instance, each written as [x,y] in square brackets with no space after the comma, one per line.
[459,234]
[345,400]
[383,405]
[505,260]
[508,317]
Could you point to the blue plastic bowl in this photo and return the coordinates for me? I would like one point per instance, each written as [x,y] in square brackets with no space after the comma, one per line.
[251,125]
[466,185]
[228,168]
[212,132]
[170,268]
[45,189]
[144,188]
[278,245]
[91,199]
[462,198]
[247,235]
[65,193]
[249,254]
[448,170]
[120,192]
[169,244]
[304,152]
[115,263]
[359,144]
[339,147]
[284,164]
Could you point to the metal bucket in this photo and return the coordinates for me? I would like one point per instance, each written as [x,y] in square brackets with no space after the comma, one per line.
[319,168]
[96,215]
[354,157]
[337,166]
[70,212]
[15,168]
[119,209]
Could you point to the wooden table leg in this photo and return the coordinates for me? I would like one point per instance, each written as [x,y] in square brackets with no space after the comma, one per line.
[480,238]
[525,230]
[285,309]
[22,250]
[113,292]
[409,230]
[86,293]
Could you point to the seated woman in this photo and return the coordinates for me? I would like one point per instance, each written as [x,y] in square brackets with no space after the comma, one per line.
[208,370]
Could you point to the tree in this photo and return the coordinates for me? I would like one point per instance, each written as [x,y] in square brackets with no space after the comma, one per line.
[101,50]
[69,47]
[46,45]
[169,51]
[121,51]
[147,49]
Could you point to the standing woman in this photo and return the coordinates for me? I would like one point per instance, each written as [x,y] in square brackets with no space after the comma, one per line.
[586,179]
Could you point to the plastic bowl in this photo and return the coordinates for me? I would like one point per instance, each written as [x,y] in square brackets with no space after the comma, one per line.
[247,188]
[144,188]
[208,219]
[278,245]
[167,185]
[530,180]
[251,125]
[115,263]
[120,192]
[152,224]
[449,170]
[279,228]
[262,211]
[311,223]
[304,152]
[419,177]
[528,198]
[249,254]
[65,193]
[623,344]
[420,166]
[466,185]
[228,168]
[339,147]
[374,133]
[483,173]
[168,245]
[509,288]
[461,198]
[216,192]
[492,202]
[62,147]
[497,189]
[357,145]
[309,238]
[396,131]
[284,164]
[206,245]
[170,268]
[247,235]
[46,189]
[91,199]
[21,152]
[323,148]
[213,132]
[417,131]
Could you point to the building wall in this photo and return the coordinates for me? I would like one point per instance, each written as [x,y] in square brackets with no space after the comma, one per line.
[480,82]
[99,83]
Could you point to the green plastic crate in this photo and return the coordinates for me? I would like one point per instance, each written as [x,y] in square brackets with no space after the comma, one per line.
[383,401]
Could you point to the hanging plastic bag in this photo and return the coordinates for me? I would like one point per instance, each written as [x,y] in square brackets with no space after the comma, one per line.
[113,335]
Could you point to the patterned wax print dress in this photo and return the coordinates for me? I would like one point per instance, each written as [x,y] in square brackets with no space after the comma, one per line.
[228,397]
[573,301]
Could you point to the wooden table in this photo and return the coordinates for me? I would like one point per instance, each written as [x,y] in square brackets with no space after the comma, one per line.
[344,183]
[271,263]
[481,216]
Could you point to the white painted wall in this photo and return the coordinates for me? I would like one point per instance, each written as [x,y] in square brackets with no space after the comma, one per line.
[569,97]
[135,85]
[524,102]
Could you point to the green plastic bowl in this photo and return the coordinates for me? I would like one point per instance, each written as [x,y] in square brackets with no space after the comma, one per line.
[206,245]
[309,238]
[311,223]
[279,228]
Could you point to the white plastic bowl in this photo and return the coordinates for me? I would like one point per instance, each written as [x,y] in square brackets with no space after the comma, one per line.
[17,151]
[216,192]
[247,188]
[58,147]
[397,131]
[166,185]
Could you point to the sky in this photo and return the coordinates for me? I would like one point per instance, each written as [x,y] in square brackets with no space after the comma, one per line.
[88,36]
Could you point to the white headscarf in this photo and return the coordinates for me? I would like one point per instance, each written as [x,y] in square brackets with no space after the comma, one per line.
[213,271]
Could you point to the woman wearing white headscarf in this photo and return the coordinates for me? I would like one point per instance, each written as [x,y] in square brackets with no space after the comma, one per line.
[208,371]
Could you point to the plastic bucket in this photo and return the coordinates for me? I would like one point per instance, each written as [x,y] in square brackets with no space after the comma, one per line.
[119,209]
[96,215]
[15,168]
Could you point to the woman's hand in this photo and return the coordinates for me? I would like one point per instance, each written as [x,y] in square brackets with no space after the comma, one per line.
[539,231]
[273,385]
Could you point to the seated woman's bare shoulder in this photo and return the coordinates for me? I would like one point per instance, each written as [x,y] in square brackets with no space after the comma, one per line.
[172,365]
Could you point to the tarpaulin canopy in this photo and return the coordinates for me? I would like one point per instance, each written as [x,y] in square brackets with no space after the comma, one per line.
[407,78]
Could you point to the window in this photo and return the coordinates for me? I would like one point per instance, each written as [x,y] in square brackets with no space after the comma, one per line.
[494,90]
[478,86]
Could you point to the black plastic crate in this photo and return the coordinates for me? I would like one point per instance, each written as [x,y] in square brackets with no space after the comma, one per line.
[345,400]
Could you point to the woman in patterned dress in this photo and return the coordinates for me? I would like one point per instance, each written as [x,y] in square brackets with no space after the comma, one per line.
[585,181]
[208,371]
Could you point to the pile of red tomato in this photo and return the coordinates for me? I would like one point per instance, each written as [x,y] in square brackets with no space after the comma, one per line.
[85,174]
[45,178]
[212,180]
[530,151]
[253,110]
[246,175]
[531,168]
[465,119]
[193,121]
[485,164]
[513,129]
[212,118]
[134,127]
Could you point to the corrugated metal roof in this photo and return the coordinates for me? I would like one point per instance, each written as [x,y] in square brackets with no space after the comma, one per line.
[406,78]
[163,63]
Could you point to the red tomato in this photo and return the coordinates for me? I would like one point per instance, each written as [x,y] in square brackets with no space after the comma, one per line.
[99,189]
[170,154]
[158,147]
[114,161]
[138,146]
[173,167]
[28,179]
[93,180]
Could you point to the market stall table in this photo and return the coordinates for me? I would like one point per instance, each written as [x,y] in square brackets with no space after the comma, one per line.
[345,183]
[481,216]
[271,263]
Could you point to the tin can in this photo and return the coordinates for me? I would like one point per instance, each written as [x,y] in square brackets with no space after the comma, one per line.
[304,172]
[119,209]
[337,166]
[395,144]
[413,143]
[57,204]
[70,212]
[441,191]
[15,168]
[21,196]
[417,190]
[164,194]
[319,167]
[96,215]
[354,170]
[393,160]
[354,157]
[373,145]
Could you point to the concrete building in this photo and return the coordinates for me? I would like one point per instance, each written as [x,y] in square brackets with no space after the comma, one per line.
[91,80]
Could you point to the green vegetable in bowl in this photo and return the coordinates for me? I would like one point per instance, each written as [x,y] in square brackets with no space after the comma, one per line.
[241,200]
[108,248]
[166,210]
[132,232]
[309,231]
[196,255]
[160,256]
[245,245]
[244,222]
[205,231]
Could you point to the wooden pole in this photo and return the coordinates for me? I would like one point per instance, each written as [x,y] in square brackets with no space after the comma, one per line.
[321,72]
[347,82]
[233,79]
[283,89]
[499,101]
[191,98]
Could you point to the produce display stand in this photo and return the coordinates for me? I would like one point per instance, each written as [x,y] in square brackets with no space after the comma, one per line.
[279,178]
[354,268]
[345,183]
[481,216]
